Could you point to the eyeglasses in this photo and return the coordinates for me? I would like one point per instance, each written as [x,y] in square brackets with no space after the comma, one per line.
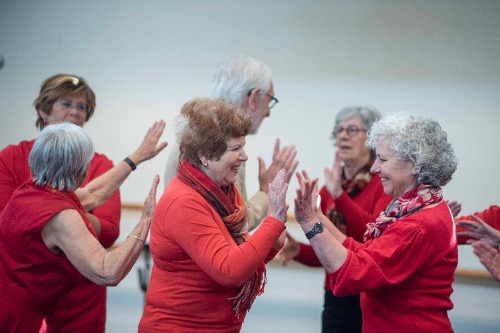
[272,100]
[68,105]
[351,130]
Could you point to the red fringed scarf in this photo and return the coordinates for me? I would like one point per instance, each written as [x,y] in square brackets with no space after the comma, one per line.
[231,208]
[409,203]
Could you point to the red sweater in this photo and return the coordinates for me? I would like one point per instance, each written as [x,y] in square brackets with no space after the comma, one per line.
[358,211]
[405,276]
[32,277]
[198,267]
[87,300]
[490,215]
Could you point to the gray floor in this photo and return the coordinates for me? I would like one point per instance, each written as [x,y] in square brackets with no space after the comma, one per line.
[293,299]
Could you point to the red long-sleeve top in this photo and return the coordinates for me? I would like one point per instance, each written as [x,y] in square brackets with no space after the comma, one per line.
[198,267]
[86,300]
[405,276]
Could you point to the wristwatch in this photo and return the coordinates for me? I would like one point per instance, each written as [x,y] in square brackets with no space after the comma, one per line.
[317,229]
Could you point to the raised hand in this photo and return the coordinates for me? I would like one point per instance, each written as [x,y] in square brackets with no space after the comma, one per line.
[455,207]
[150,202]
[305,202]
[290,250]
[150,147]
[478,229]
[283,158]
[333,177]
[277,197]
[489,257]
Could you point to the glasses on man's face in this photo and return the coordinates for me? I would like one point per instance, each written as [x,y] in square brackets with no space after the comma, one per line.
[351,130]
[272,100]
[68,105]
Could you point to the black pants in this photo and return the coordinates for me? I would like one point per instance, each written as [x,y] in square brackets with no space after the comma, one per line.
[341,314]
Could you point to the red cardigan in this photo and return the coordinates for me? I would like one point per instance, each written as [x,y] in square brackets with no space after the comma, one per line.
[32,277]
[198,267]
[405,276]
[358,211]
[87,300]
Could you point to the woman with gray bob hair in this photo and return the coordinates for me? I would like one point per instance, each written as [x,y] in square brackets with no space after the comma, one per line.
[47,240]
[405,264]
[49,159]
[419,140]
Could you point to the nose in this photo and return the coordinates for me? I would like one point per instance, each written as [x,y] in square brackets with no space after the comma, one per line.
[375,167]
[243,155]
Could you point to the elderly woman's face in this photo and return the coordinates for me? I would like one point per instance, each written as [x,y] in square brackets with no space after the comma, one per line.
[350,138]
[225,170]
[397,177]
[72,108]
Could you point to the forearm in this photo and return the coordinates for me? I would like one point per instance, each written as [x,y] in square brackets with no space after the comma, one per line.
[336,233]
[117,263]
[328,249]
[101,188]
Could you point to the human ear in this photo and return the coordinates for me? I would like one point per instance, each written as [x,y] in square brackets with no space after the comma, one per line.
[253,99]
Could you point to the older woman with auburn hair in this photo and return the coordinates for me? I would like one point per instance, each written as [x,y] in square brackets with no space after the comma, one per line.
[47,240]
[207,269]
[404,267]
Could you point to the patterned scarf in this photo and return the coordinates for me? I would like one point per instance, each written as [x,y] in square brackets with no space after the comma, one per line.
[231,208]
[352,187]
[409,203]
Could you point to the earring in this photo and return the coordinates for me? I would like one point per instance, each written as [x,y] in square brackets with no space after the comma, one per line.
[205,164]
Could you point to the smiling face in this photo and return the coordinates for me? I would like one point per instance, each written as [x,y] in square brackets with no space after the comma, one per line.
[351,147]
[71,108]
[225,170]
[397,177]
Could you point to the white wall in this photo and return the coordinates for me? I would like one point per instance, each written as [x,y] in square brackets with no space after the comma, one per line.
[144,59]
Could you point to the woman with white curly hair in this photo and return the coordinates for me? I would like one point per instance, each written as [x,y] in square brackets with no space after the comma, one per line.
[404,267]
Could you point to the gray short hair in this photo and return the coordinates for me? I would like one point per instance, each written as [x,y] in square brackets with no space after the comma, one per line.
[61,156]
[369,115]
[237,75]
[420,140]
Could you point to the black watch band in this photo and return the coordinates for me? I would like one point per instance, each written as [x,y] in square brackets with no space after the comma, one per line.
[317,229]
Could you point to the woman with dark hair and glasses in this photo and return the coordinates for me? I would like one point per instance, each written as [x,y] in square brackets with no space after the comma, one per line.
[351,198]
[68,98]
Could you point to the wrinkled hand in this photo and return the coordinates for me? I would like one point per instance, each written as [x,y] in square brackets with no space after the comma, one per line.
[455,207]
[277,197]
[307,198]
[150,147]
[478,229]
[333,177]
[150,202]
[489,257]
[290,250]
[283,158]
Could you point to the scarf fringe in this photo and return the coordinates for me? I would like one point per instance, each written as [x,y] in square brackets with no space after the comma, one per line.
[250,290]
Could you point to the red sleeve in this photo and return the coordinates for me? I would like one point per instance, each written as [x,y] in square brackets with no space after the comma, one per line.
[194,226]
[383,262]
[307,256]
[364,208]
[108,213]
[14,169]
[491,216]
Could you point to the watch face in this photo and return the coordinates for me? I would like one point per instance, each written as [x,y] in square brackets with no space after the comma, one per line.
[318,228]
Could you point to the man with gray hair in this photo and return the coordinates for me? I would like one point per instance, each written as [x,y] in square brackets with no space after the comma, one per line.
[247,83]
